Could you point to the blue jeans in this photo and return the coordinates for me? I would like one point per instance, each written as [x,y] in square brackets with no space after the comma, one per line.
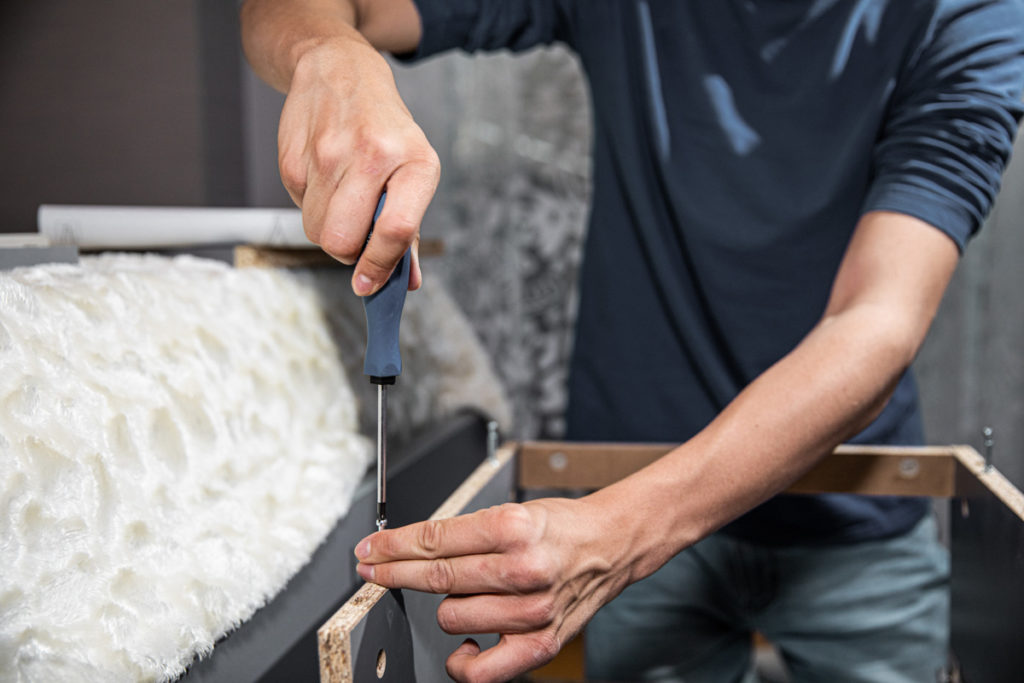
[876,612]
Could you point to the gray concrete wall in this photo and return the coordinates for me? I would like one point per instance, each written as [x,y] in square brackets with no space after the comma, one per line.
[971,369]
[118,102]
[100,105]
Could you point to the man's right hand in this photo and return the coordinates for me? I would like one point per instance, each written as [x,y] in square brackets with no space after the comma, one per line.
[345,136]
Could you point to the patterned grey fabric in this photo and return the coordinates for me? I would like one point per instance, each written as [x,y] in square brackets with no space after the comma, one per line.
[511,211]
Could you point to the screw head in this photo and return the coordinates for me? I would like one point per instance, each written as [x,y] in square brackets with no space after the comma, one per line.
[909,468]
[558,461]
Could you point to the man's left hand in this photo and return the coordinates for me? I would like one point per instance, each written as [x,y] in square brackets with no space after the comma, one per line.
[534,573]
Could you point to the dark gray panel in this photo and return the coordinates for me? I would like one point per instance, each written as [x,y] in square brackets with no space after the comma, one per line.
[31,256]
[987,632]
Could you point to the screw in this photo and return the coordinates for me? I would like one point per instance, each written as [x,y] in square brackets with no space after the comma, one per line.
[558,461]
[492,440]
[909,468]
[989,442]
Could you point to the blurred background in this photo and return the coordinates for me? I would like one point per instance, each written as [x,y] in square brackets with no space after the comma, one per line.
[124,102]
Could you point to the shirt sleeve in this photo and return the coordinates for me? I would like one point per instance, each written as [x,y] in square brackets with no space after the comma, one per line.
[952,118]
[474,25]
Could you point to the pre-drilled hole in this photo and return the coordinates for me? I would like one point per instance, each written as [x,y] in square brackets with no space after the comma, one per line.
[382,663]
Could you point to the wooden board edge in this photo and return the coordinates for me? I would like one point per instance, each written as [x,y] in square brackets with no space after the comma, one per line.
[484,472]
[866,470]
[991,478]
[258,256]
[920,471]
[252,256]
[334,636]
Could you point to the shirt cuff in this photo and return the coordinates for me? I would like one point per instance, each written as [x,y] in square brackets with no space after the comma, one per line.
[943,213]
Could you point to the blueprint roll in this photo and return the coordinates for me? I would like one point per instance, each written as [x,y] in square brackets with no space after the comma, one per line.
[154,227]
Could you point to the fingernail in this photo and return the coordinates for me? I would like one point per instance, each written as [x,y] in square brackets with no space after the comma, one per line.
[363,549]
[365,571]
[364,285]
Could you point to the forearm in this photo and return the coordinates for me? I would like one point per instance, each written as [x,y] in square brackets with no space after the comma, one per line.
[276,33]
[775,430]
[829,388]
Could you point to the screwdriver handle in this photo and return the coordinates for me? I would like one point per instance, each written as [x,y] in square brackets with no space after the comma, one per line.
[383,362]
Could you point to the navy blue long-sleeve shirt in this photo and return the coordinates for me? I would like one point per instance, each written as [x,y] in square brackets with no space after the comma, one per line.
[736,145]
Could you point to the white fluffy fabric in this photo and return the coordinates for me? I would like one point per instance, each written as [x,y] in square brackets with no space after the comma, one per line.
[176,438]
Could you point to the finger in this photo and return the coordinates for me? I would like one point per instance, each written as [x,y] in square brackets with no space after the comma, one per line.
[293,178]
[410,189]
[348,218]
[291,162]
[469,574]
[496,613]
[492,530]
[487,573]
[415,275]
[320,188]
[513,655]
[469,648]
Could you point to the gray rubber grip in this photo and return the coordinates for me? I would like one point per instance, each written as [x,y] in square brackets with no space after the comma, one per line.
[383,314]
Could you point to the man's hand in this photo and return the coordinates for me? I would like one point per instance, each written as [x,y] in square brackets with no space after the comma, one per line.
[345,136]
[534,573]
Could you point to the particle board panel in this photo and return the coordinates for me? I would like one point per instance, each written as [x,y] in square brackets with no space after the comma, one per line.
[882,471]
[253,256]
[869,470]
[987,574]
[376,620]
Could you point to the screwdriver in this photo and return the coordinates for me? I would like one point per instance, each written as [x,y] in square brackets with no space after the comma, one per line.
[383,361]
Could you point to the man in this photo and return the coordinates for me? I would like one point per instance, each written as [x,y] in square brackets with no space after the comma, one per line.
[782,190]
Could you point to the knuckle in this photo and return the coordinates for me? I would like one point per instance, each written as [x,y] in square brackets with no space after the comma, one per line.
[541,611]
[473,673]
[338,245]
[376,153]
[377,266]
[431,537]
[440,576]
[545,646]
[427,162]
[513,522]
[401,228]
[530,573]
[447,619]
[328,150]
[293,172]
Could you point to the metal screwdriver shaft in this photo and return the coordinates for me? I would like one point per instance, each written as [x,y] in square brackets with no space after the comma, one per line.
[383,361]
[382,456]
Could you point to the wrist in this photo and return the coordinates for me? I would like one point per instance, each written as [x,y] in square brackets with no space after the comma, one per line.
[646,516]
[323,54]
